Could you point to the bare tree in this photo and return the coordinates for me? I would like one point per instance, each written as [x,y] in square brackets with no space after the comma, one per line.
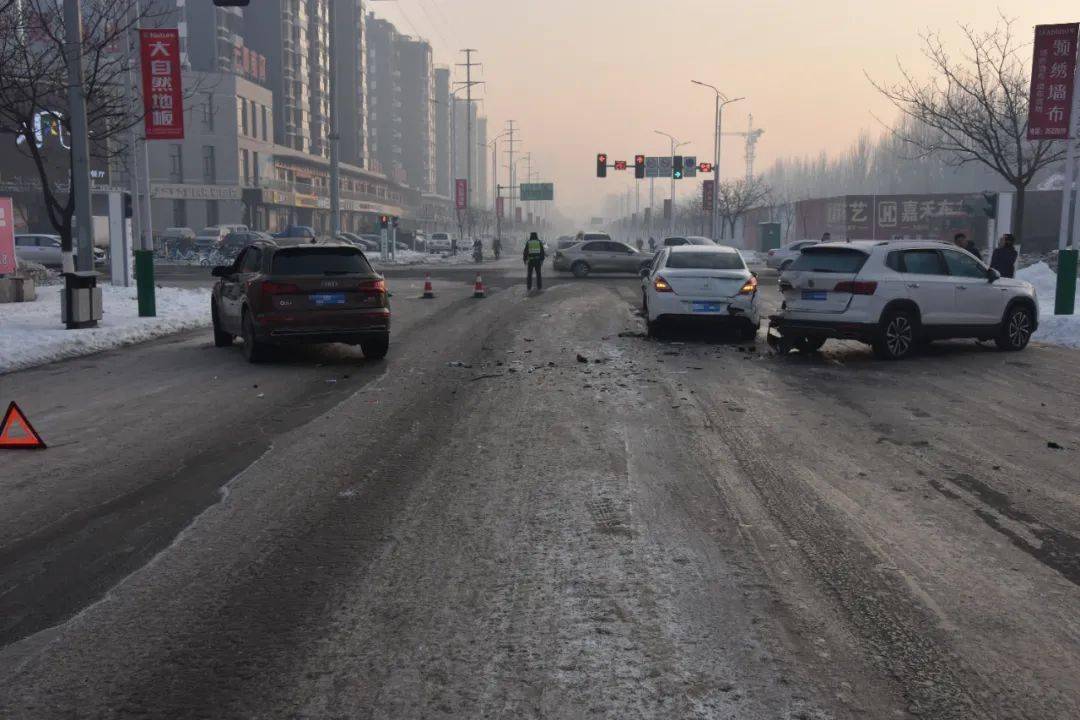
[34,91]
[976,107]
[735,197]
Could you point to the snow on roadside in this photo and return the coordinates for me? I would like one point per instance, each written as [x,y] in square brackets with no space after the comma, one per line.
[32,333]
[1053,329]
[411,257]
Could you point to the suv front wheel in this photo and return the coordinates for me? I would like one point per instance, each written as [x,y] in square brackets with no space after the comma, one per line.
[1016,329]
[897,336]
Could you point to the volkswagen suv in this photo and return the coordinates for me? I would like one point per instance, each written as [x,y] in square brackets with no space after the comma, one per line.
[281,291]
[896,295]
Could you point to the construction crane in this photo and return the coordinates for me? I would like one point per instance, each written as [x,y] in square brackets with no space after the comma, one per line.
[751,136]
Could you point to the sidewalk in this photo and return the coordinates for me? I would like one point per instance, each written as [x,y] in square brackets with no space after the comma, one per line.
[32,333]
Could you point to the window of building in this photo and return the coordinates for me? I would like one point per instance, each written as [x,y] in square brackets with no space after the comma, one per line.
[211,212]
[265,120]
[179,213]
[245,167]
[209,166]
[208,112]
[255,168]
[243,115]
[254,121]
[176,162]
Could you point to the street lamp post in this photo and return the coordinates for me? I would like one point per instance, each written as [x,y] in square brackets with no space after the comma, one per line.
[675,145]
[721,101]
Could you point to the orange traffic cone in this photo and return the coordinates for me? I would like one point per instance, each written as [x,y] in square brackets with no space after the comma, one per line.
[478,288]
[429,292]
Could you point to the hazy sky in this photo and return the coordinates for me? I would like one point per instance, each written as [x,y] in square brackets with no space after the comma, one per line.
[584,76]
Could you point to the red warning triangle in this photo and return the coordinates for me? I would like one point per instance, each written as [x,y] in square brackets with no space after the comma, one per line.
[16,432]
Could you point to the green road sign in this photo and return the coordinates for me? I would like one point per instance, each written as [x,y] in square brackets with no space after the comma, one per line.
[537,191]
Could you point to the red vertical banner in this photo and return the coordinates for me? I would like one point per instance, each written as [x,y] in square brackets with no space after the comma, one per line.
[163,99]
[1053,65]
[707,195]
[499,212]
[7,237]
[461,193]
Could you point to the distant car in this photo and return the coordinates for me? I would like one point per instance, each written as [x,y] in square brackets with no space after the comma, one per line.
[234,242]
[46,250]
[360,242]
[701,281]
[440,242]
[678,240]
[297,231]
[897,295]
[565,241]
[176,238]
[597,256]
[781,258]
[282,291]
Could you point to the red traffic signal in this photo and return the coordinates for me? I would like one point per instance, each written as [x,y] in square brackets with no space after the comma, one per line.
[601,165]
[620,164]
[639,166]
[704,167]
[384,220]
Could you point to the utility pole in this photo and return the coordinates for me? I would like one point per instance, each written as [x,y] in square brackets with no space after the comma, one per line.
[721,101]
[80,151]
[468,85]
[333,135]
[513,175]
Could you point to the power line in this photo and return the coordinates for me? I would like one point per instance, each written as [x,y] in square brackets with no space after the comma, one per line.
[435,26]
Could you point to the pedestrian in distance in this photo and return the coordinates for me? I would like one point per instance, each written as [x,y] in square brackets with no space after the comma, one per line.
[533,256]
[826,237]
[1004,258]
[652,244]
[962,242]
[640,244]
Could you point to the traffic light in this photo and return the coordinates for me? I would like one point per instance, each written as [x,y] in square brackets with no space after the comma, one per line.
[689,166]
[639,166]
[990,204]
[705,167]
[394,221]
[620,164]
[384,221]
[128,210]
[601,165]
[677,167]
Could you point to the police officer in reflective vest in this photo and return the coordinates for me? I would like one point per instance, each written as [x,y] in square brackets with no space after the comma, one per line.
[533,255]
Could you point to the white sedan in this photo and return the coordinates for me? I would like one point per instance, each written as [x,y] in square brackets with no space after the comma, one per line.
[710,281]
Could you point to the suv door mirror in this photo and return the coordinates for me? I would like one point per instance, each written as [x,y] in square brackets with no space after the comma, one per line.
[222,271]
[644,272]
[992,274]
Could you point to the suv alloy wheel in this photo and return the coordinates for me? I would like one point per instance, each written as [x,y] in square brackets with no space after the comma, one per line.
[1016,329]
[897,336]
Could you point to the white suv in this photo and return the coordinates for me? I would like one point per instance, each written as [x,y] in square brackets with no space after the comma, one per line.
[895,295]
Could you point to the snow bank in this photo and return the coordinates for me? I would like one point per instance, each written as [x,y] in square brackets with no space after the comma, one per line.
[411,257]
[1053,329]
[32,333]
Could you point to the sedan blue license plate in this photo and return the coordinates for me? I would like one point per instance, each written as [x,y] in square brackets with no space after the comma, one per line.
[328,299]
[707,307]
[815,295]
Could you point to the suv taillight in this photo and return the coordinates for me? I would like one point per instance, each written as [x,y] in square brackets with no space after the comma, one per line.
[856,287]
[268,290]
[373,286]
[661,285]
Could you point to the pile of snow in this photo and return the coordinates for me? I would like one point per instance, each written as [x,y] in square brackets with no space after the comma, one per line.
[411,257]
[32,333]
[1053,329]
